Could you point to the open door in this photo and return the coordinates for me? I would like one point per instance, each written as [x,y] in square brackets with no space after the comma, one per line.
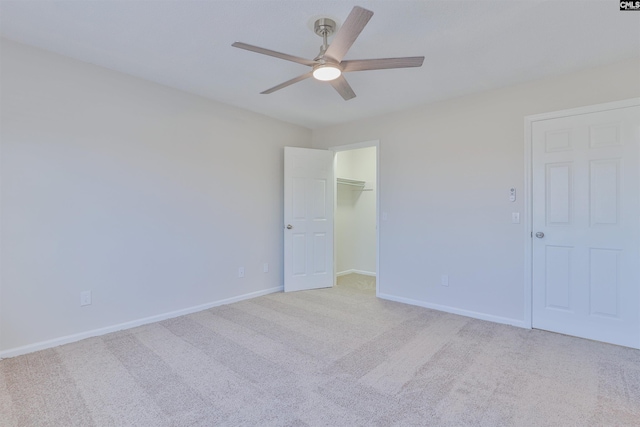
[308,218]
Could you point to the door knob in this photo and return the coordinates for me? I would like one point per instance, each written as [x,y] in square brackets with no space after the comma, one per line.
[289,226]
[539,234]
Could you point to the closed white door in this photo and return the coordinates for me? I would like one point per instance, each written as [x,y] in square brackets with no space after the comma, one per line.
[586,225]
[308,218]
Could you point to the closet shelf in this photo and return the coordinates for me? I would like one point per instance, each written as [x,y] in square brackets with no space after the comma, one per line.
[354,183]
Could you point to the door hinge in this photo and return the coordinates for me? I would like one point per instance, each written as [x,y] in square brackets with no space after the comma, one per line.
[532,234]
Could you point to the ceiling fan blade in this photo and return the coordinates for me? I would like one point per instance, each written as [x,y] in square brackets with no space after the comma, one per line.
[381,63]
[348,33]
[269,52]
[340,84]
[288,82]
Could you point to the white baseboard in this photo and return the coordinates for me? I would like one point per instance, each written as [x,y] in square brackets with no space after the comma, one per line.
[352,271]
[43,345]
[461,312]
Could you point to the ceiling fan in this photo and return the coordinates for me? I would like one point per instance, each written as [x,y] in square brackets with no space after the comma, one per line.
[328,65]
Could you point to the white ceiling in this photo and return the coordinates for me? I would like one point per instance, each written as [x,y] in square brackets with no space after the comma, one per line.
[469,46]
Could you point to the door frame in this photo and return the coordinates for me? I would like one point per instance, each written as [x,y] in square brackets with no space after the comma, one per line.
[348,147]
[528,187]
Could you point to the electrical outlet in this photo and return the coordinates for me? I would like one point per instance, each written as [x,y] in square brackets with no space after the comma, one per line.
[241,272]
[85,298]
[265,267]
[444,280]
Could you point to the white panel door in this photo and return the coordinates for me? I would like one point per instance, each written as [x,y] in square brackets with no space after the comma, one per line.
[308,218]
[586,225]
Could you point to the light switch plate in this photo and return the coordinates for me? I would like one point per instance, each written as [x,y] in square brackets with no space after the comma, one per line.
[515,217]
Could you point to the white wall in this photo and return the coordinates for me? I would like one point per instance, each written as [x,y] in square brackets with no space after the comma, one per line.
[147,196]
[355,220]
[445,172]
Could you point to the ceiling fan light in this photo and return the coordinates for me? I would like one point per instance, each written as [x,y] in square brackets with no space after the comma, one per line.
[326,72]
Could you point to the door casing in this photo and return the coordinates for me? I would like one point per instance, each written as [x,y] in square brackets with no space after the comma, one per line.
[365,144]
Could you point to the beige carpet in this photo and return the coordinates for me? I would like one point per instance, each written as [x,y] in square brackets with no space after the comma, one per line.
[333,357]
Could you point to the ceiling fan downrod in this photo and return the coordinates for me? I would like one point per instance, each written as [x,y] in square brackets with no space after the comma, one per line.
[324,27]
